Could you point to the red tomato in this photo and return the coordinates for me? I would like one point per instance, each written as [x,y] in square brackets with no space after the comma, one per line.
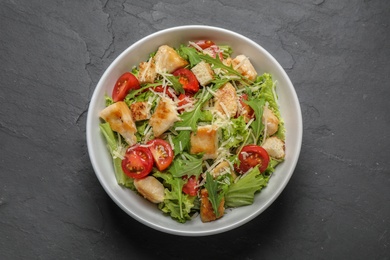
[138,162]
[204,43]
[190,187]
[251,156]
[162,153]
[123,85]
[160,89]
[187,79]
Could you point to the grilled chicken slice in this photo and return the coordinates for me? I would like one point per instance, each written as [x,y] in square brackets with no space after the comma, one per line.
[118,115]
[164,116]
[167,60]
[150,188]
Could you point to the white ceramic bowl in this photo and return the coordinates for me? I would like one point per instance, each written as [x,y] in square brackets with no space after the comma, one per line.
[147,213]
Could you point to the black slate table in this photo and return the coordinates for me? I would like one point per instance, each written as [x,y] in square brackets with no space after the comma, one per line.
[337,54]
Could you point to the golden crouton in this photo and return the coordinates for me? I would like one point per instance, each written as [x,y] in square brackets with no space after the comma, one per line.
[274,147]
[206,209]
[118,115]
[203,73]
[167,60]
[205,140]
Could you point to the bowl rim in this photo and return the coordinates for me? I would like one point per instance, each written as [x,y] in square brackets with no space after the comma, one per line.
[295,150]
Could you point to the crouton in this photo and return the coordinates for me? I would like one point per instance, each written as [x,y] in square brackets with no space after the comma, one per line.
[167,60]
[205,140]
[140,111]
[203,73]
[147,72]
[163,117]
[226,100]
[150,188]
[270,121]
[242,64]
[118,115]
[275,147]
[206,209]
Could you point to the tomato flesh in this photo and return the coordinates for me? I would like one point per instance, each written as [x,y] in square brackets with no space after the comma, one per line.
[187,79]
[161,89]
[251,156]
[138,162]
[162,153]
[190,187]
[204,44]
[123,85]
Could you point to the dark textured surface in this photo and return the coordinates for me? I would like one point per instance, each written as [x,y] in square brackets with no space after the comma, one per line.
[337,54]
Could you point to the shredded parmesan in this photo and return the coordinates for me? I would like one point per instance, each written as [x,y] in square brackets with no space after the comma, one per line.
[224,109]
[183,128]
[241,63]
[196,46]
[171,142]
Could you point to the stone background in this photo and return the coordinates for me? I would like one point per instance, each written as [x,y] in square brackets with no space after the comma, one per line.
[337,54]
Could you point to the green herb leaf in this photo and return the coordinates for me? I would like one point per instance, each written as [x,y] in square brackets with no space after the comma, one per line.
[190,165]
[257,124]
[215,195]
[191,54]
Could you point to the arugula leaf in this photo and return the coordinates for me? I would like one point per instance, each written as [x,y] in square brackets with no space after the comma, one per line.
[191,54]
[175,83]
[242,192]
[257,124]
[191,165]
[215,194]
[219,64]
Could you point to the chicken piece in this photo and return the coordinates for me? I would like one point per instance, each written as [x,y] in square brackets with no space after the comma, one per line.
[118,115]
[242,64]
[140,111]
[226,100]
[274,147]
[206,209]
[222,168]
[270,121]
[147,72]
[167,60]
[164,116]
[203,73]
[205,140]
[150,188]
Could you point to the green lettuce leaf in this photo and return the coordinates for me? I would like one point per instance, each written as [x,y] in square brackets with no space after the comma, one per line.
[190,165]
[242,192]
[114,146]
[177,204]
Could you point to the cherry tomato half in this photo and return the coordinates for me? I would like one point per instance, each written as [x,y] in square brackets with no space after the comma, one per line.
[204,43]
[251,156]
[162,153]
[160,89]
[123,85]
[187,79]
[138,162]
[190,187]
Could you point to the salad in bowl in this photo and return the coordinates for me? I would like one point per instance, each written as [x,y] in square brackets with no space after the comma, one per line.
[194,130]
